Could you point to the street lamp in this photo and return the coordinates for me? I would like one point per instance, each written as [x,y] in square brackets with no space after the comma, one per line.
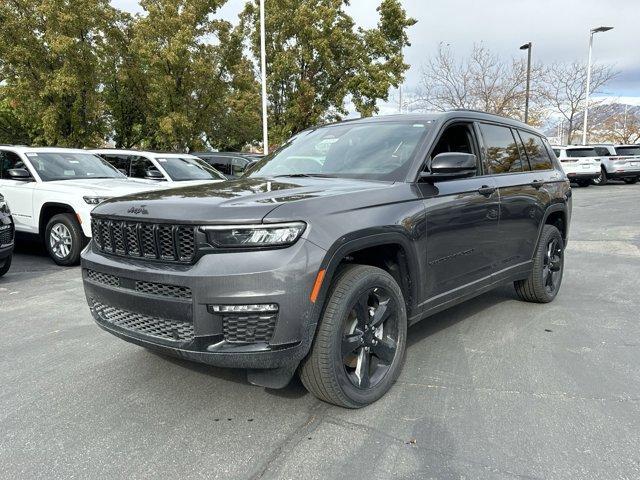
[586,105]
[263,71]
[527,46]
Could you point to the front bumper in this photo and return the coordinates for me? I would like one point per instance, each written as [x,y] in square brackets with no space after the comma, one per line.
[7,232]
[167,307]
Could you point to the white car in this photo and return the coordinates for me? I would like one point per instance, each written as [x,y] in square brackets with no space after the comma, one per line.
[53,190]
[619,162]
[165,167]
[580,163]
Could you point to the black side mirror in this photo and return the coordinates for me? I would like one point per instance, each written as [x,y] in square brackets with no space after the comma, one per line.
[154,175]
[19,174]
[450,165]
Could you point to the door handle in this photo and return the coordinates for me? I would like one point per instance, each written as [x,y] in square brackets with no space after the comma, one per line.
[486,190]
[537,184]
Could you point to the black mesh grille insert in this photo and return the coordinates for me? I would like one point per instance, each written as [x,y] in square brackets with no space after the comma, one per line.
[6,234]
[170,243]
[103,278]
[241,328]
[169,330]
[163,290]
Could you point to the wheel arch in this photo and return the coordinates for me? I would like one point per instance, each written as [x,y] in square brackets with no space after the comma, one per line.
[558,216]
[49,210]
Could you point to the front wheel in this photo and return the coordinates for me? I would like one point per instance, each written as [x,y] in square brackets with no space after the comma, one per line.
[64,239]
[361,339]
[543,283]
[631,181]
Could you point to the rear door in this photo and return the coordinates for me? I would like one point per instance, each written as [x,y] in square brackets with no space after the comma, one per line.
[521,185]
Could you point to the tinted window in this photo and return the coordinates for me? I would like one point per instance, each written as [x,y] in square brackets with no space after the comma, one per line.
[556,152]
[536,151]
[188,168]
[581,152]
[371,150]
[502,151]
[121,162]
[630,150]
[602,151]
[140,166]
[222,164]
[9,160]
[71,165]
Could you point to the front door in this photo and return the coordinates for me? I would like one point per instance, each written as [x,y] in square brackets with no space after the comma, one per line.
[462,221]
[18,193]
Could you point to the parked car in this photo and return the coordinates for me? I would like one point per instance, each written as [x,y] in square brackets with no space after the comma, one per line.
[165,167]
[53,190]
[233,165]
[6,236]
[619,162]
[320,257]
[580,163]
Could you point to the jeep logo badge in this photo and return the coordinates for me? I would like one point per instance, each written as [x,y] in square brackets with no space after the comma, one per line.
[138,210]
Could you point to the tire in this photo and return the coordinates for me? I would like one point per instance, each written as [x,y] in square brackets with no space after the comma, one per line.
[64,240]
[602,179]
[346,379]
[583,183]
[536,288]
[5,265]
[630,181]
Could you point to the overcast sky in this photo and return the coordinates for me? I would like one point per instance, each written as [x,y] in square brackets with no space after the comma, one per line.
[559,30]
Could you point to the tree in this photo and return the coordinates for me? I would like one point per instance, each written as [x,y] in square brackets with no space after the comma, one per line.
[483,81]
[617,123]
[317,60]
[49,64]
[564,88]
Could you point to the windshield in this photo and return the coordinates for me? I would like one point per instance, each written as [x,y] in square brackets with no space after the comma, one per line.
[630,150]
[379,151]
[186,168]
[70,165]
[581,152]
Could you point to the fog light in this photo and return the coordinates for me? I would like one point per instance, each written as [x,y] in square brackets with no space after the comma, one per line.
[250,308]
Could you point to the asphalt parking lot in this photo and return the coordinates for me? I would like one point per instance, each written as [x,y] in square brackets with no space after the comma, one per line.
[493,388]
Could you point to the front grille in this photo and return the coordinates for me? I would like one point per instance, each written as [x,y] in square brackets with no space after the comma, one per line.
[103,278]
[163,290]
[168,330]
[6,234]
[248,328]
[170,243]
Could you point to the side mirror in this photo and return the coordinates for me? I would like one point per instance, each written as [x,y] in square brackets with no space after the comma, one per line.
[19,174]
[154,174]
[450,165]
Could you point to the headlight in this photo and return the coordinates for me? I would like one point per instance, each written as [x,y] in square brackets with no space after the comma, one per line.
[4,207]
[255,236]
[95,200]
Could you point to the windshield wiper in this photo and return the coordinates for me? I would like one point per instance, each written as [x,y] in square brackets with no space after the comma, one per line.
[301,175]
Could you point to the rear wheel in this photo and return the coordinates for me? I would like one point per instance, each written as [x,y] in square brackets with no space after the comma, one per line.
[5,265]
[631,180]
[602,178]
[361,339]
[64,239]
[545,279]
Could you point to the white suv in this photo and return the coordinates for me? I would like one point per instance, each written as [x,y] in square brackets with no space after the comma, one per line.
[170,167]
[619,162]
[580,163]
[53,190]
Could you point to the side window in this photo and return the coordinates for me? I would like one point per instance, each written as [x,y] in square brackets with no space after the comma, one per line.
[556,151]
[238,166]
[456,138]
[140,166]
[222,164]
[121,162]
[538,156]
[602,151]
[9,160]
[524,163]
[502,152]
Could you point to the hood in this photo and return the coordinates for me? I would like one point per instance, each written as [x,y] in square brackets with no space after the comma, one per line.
[102,187]
[242,200]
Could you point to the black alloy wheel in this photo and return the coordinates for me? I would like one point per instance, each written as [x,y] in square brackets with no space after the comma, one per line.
[553,263]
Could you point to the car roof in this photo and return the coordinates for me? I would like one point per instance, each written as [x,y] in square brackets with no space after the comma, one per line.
[24,149]
[221,154]
[141,152]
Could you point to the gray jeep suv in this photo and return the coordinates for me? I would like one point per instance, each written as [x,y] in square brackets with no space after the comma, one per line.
[324,252]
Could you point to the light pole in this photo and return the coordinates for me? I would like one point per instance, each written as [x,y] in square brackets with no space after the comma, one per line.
[527,47]
[586,105]
[263,69]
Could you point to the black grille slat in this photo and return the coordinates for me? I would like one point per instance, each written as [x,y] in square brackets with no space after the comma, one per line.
[163,290]
[168,330]
[169,243]
[104,278]
[6,235]
[242,328]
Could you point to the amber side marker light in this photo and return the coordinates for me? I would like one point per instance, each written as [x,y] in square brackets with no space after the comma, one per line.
[316,286]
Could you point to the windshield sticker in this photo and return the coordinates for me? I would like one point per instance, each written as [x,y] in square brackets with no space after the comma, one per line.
[163,160]
[32,154]
[74,161]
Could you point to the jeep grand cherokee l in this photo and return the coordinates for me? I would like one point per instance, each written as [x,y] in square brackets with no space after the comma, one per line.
[324,252]
[6,236]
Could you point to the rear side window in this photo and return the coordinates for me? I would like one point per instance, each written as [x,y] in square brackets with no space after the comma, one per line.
[502,152]
[538,156]
[602,151]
